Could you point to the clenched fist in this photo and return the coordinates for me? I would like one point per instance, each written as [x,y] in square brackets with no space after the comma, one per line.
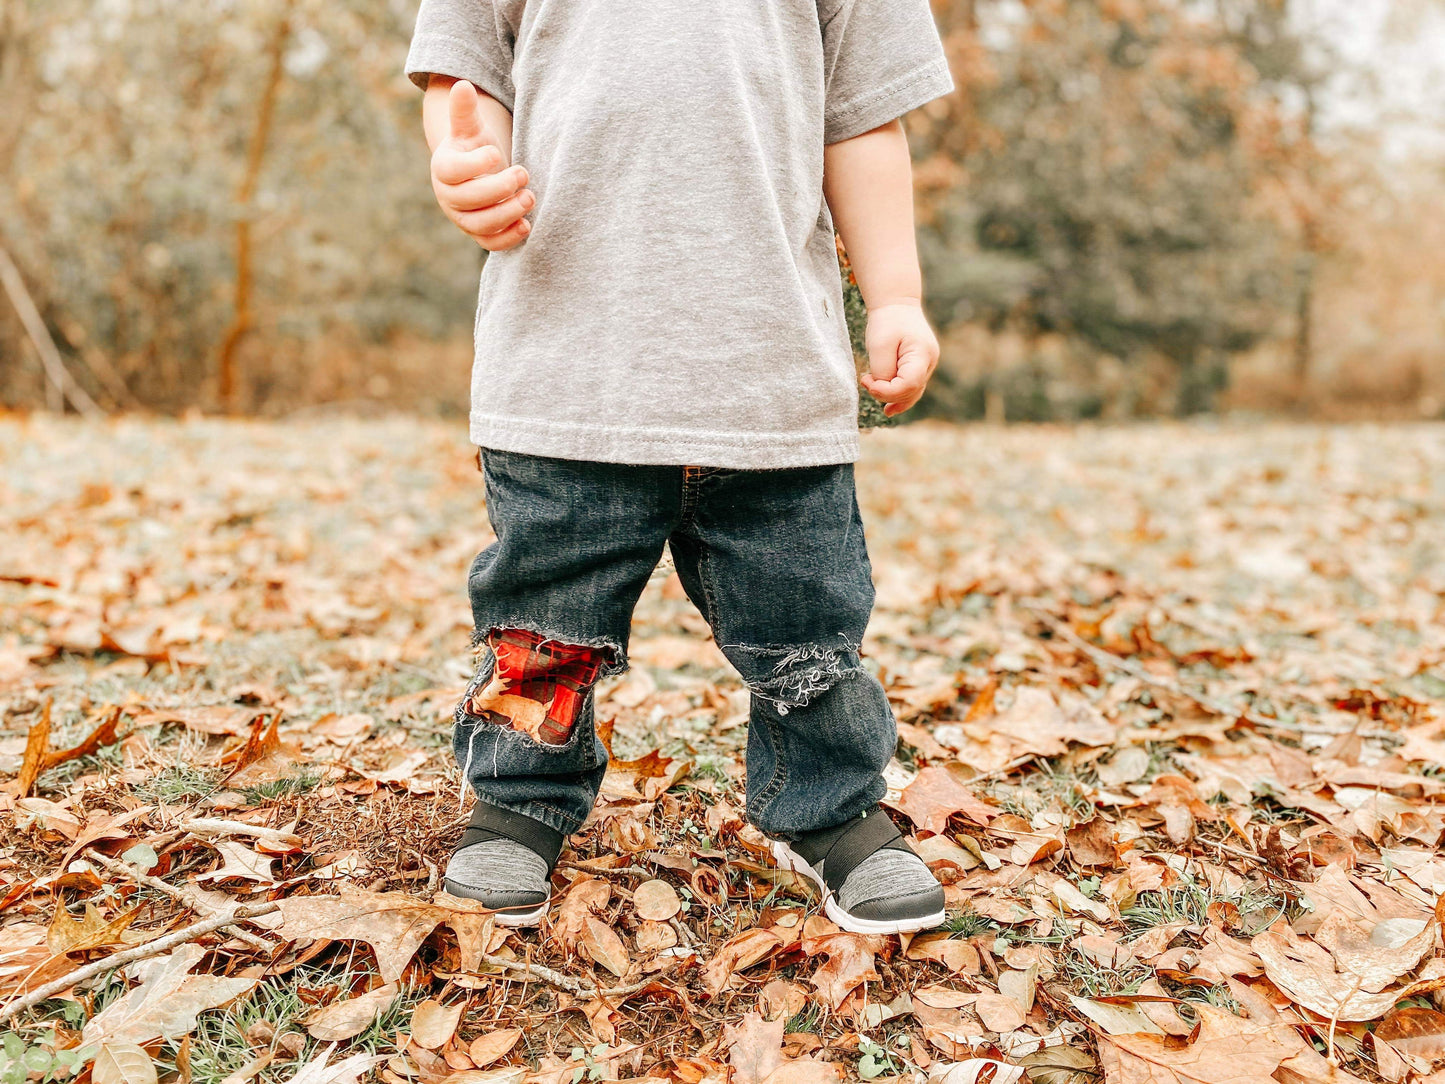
[902,354]
[473,181]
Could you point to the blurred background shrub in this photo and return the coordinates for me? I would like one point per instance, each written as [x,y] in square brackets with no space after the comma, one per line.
[1130,207]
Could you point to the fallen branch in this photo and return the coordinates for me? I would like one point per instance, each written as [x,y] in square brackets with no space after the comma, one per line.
[1204,700]
[179,895]
[141,952]
[206,826]
[559,980]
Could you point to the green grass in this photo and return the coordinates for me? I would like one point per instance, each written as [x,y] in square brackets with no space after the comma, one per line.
[1188,902]
[713,766]
[178,783]
[219,1046]
[1088,978]
[969,924]
[286,787]
[810,1020]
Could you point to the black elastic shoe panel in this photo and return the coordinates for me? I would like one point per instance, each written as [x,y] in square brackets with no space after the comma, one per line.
[493,822]
[836,852]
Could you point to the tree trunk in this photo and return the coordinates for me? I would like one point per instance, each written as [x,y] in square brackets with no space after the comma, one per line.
[245,195]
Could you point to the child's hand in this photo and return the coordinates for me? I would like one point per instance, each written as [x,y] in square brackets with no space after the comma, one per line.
[902,354]
[471,180]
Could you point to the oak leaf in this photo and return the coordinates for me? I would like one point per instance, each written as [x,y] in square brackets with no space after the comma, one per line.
[585,898]
[166,1003]
[936,794]
[754,1046]
[849,964]
[394,925]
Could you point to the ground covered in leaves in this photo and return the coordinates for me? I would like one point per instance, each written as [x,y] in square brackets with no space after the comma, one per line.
[1170,705]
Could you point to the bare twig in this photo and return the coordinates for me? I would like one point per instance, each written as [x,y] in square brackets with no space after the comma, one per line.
[177,894]
[1204,700]
[603,871]
[684,934]
[39,335]
[140,952]
[559,980]
[206,826]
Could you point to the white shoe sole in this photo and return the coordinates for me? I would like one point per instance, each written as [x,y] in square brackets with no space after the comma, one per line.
[787,858]
[511,917]
[521,918]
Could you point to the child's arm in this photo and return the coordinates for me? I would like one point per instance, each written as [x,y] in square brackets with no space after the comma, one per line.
[868,182]
[470,136]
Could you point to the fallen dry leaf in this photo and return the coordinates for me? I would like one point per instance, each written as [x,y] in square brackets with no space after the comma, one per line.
[975,1071]
[1379,954]
[93,930]
[1308,975]
[493,1046]
[755,1048]
[849,964]
[656,901]
[1415,1031]
[936,794]
[433,1024]
[394,925]
[1228,1050]
[586,898]
[166,1003]
[345,1071]
[349,1018]
[737,953]
[123,1063]
[602,946]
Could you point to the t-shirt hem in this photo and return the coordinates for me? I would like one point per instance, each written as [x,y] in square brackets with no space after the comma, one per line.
[664,447]
[888,103]
[457,58]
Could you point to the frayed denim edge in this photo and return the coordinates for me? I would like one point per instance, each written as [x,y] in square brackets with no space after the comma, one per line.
[800,672]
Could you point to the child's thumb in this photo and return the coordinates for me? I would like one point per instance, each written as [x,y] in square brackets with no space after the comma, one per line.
[466,120]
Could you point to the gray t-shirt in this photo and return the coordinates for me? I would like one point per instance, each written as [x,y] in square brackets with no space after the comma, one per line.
[678,299]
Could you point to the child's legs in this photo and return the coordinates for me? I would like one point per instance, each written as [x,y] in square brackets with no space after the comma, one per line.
[552,600]
[777,563]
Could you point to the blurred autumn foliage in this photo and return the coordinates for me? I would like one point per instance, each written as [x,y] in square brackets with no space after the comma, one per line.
[1127,208]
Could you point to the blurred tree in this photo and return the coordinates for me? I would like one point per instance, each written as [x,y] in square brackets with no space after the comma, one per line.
[131,135]
[1106,173]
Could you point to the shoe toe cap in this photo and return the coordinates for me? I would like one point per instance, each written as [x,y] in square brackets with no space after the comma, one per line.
[497,901]
[912,905]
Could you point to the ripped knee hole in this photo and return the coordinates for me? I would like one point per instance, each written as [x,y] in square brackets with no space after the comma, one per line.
[539,686]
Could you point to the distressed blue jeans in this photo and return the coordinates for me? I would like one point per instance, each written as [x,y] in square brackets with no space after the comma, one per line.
[776,562]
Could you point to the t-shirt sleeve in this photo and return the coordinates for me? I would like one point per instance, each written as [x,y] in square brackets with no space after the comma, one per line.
[465,39]
[882,58]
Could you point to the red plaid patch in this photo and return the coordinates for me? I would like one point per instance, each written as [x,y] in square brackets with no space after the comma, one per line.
[539,686]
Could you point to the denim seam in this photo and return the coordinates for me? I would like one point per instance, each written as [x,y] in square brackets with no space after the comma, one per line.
[780,771]
[689,497]
[704,575]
